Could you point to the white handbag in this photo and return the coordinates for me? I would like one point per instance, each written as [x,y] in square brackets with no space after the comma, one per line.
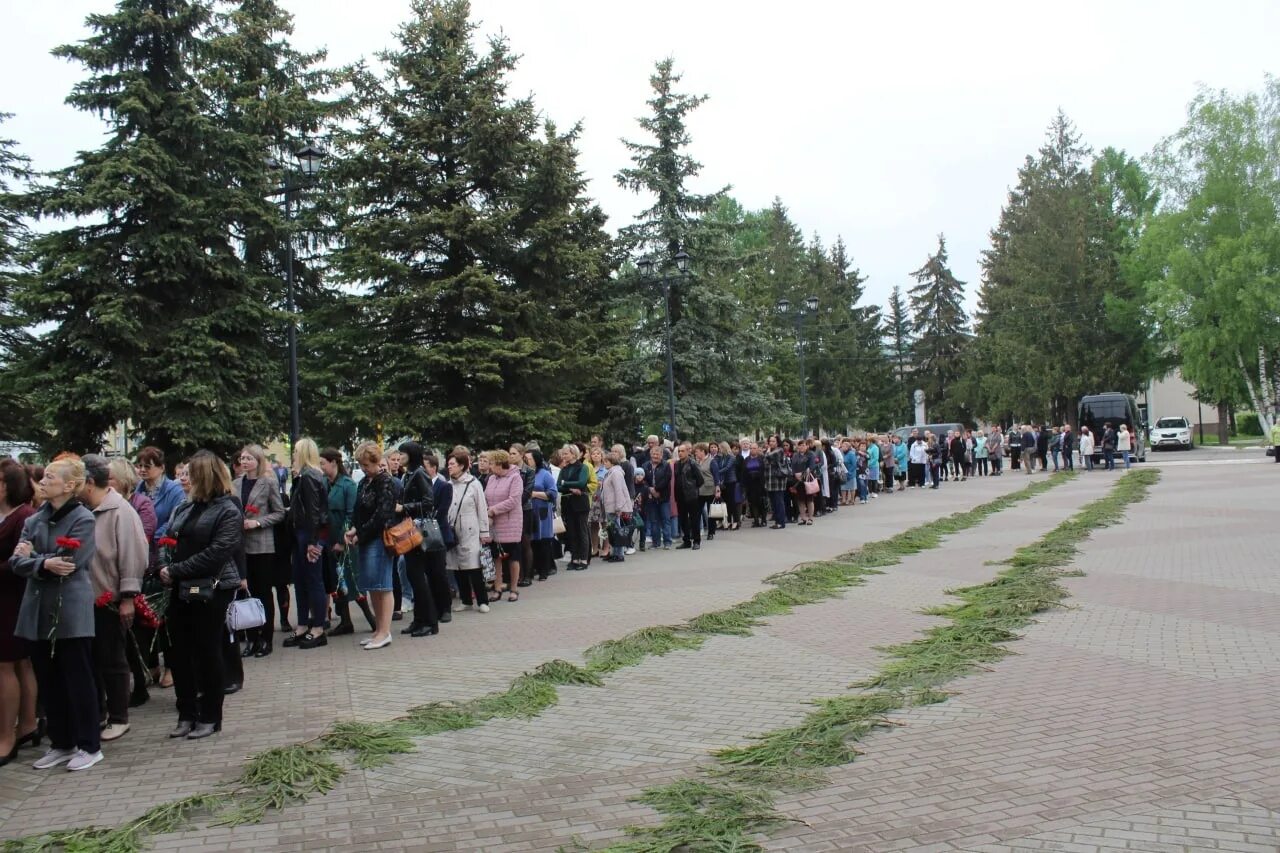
[557,525]
[718,511]
[245,613]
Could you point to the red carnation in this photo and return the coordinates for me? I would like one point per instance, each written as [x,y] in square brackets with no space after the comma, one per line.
[67,542]
[168,542]
[251,510]
[360,597]
[105,599]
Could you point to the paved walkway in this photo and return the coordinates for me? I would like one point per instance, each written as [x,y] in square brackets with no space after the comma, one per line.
[1142,717]
[294,695]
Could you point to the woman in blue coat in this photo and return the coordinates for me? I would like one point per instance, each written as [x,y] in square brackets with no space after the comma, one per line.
[544,512]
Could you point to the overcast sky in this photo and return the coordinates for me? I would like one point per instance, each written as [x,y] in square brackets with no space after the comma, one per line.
[885,123]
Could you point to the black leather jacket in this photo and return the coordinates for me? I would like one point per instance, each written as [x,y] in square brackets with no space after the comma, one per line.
[209,538]
[689,480]
[419,496]
[309,505]
[375,507]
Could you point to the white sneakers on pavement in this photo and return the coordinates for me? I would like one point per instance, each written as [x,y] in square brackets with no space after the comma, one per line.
[83,760]
[53,758]
[114,731]
[484,608]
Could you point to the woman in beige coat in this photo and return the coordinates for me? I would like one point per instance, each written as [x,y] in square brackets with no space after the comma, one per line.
[469,520]
[257,489]
[120,559]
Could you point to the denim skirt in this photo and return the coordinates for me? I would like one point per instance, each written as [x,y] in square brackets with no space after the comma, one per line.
[376,568]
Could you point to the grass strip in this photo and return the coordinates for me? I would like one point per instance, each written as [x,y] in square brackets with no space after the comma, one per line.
[732,801]
[285,775]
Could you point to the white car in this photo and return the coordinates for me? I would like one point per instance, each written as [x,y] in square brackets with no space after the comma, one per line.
[1171,432]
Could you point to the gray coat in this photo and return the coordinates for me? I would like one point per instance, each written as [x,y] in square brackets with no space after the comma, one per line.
[69,598]
[469,518]
[265,495]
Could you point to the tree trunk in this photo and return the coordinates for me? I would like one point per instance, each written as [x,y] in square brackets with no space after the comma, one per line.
[1224,425]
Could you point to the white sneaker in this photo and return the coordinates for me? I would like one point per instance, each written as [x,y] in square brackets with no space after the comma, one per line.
[53,758]
[630,551]
[84,760]
[484,608]
[114,731]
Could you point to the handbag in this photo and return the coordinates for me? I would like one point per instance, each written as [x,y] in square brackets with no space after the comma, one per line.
[402,537]
[245,613]
[196,589]
[811,485]
[557,526]
[487,564]
[719,511]
[432,535]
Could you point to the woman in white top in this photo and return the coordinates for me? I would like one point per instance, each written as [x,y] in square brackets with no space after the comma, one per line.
[1124,443]
[1086,448]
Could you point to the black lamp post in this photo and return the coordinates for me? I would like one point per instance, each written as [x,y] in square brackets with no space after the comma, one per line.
[294,180]
[647,268]
[810,306]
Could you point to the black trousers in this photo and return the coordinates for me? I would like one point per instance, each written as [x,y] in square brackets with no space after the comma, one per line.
[729,494]
[424,605]
[110,664]
[64,676]
[232,660]
[471,586]
[704,511]
[690,521]
[196,632]
[438,580]
[756,499]
[262,576]
[543,561]
[577,535]
[915,474]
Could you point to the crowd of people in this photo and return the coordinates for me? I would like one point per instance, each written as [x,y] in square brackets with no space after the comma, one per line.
[116,580]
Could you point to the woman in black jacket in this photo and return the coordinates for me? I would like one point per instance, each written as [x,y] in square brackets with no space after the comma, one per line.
[375,512]
[204,576]
[309,512]
[418,501]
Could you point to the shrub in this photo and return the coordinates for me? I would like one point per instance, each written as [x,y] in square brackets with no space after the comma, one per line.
[1247,423]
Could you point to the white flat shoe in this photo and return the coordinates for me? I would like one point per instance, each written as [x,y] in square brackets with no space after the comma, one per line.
[381,644]
[366,641]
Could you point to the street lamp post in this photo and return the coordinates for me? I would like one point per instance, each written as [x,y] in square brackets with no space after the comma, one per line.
[810,306]
[294,181]
[647,268]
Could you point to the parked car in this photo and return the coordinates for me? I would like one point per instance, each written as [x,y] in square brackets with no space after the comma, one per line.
[1172,433]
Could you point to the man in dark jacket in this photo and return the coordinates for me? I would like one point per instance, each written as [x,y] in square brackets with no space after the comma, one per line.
[1042,447]
[1068,447]
[688,500]
[957,455]
[657,510]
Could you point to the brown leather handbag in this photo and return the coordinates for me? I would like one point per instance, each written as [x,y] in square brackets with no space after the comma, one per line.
[402,537]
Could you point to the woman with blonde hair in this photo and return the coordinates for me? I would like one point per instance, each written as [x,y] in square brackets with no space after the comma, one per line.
[504,497]
[374,512]
[575,504]
[55,555]
[309,512]
[263,509]
[204,575]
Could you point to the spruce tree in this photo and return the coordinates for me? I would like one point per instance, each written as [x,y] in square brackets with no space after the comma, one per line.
[849,374]
[151,313]
[477,259]
[14,168]
[711,340]
[941,330]
[897,342]
[1057,318]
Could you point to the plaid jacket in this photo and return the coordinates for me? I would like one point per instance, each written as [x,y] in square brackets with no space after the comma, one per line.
[777,473]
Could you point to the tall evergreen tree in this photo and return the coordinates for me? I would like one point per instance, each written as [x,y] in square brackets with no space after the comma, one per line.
[897,342]
[710,341]
[941,330]
[1057,317]
[480,260]
[151,313]
[849,372]
[14,168]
